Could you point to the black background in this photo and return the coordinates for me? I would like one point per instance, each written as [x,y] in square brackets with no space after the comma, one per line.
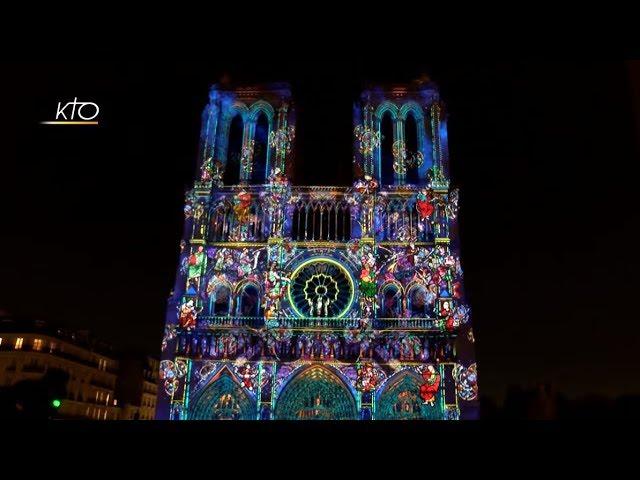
[543,152]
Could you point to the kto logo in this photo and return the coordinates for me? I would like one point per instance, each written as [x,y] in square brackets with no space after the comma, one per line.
[75,113]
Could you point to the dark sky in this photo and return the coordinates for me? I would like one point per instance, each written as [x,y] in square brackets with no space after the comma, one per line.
[543,152]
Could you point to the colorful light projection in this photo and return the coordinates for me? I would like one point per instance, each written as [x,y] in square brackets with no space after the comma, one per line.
[320,303]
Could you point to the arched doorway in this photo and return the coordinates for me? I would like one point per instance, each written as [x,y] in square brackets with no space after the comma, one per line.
[316,393]
[224,399]
[400,400]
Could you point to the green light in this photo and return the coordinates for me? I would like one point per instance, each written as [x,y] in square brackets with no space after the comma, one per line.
[344,271]
[56,403]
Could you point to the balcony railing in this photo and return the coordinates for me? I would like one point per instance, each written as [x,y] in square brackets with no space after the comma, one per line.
[306,344]
[225,225]
[405,323]
[318,214]
[286,322]
[321,216]
[318,322]
[229,321]
[57,353]
[102,384]
[400,222]
[31,368]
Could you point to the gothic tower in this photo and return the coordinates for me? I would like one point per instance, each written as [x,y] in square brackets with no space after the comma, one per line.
[336,303]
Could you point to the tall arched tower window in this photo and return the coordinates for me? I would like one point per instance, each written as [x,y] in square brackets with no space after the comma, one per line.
[261,150]
[234,151]
[412,145]
[391,302]
[420,302]
[386,149]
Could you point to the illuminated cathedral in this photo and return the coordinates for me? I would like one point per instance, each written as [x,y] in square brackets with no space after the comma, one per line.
[320,302]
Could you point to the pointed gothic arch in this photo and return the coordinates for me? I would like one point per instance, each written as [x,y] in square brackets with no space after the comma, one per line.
[399,399]
[385,107]
[223,399]
[391,294]
[316,393]
[261,107]
[414,109]
[239,108]
[248,296]
[220,299]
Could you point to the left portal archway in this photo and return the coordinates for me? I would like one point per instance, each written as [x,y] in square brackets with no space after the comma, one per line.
[224,399]
[316,394]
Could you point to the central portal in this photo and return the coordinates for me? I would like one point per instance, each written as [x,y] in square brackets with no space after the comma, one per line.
[316,394]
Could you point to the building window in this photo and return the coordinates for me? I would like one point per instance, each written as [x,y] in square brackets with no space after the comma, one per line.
[102,364]
[412,145]
[391,302]
[18,344]
[387,174]
[37,344]
[261,149]
[421,302]
[234,151]
[52,346]
[248,303]
[220,301]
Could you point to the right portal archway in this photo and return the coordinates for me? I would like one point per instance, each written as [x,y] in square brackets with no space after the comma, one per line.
[400,400]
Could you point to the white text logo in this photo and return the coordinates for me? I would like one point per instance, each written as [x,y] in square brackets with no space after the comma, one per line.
[76,113]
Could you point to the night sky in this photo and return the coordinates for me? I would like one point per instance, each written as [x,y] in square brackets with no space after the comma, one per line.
[544,154]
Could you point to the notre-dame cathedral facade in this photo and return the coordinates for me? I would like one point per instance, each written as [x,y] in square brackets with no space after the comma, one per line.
[320,302]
